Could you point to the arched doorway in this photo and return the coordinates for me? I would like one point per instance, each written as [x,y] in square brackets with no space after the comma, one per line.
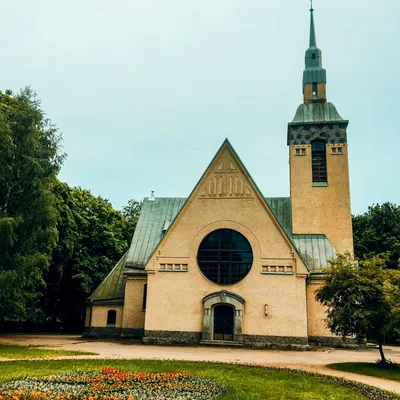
[223,317]
[223,322]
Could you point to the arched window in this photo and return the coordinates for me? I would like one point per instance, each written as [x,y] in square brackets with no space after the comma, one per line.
[144,297]
[319,172]
[111,318]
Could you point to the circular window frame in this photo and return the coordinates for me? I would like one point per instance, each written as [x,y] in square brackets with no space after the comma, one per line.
[249,250]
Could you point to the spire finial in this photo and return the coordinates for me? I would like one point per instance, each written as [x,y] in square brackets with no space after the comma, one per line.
[312,9]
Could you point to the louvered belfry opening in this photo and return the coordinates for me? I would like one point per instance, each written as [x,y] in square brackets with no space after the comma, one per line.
[319,171]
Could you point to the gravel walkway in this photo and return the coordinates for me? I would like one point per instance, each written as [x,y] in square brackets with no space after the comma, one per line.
[313,361]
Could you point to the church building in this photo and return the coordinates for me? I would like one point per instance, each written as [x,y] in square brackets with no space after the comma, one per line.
[227,265]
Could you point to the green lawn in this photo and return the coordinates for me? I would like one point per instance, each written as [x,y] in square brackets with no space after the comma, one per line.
[241,382]
[26,352]
[391,372]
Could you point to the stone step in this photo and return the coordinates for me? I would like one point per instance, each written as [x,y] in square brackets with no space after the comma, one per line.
[226,343]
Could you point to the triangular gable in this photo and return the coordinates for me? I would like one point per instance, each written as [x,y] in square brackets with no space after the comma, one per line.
[226,179]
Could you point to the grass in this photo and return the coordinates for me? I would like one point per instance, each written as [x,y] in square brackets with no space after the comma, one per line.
[27,352]
[391,372]
[241,382]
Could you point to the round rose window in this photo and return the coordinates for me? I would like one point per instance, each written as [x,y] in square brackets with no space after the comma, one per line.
[225,256]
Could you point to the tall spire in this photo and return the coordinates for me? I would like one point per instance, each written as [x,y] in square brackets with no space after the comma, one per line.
[314,74]
[313,39]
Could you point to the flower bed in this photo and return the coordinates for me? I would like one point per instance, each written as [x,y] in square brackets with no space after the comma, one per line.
[112,384]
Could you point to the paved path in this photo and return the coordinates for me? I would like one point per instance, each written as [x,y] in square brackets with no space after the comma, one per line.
[314,361]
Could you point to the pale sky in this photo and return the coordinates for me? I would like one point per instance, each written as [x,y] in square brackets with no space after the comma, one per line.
[145,91]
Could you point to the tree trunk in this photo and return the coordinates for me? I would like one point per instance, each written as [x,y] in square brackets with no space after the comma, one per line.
[380,344]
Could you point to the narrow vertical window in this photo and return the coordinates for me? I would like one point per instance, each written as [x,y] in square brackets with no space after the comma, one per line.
[315,91]
[144,297]
[111,318]
[319,173]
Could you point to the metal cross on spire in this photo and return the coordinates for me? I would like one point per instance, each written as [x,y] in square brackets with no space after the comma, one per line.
[312,9]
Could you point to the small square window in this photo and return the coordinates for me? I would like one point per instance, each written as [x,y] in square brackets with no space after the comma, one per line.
[337,150]
[301,151]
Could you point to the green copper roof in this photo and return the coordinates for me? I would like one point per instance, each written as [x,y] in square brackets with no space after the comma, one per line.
[155,219]
[317,112]
[313,73]
[282,209]
[315,250]
[111,290]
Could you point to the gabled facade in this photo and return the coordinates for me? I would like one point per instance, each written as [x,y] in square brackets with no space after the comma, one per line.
[228,265]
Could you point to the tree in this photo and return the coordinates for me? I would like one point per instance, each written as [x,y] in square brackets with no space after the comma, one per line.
[360,296]
[92,238]
[132,211]
[377,232]
[30,159]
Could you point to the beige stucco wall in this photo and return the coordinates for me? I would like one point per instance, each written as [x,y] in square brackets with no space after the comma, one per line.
[99,316]
[316,312]
[87,316]
[133,305]
[322,210]
[225,198]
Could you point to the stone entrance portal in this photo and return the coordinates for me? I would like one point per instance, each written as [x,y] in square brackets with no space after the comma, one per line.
[223,317]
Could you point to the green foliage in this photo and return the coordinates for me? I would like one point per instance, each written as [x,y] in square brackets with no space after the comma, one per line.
[92,238]
[391,371]
[27,352]
[360,297]
[132,211]
[30,159]
[377,232]
[49,233]
[392,294]
[241,382]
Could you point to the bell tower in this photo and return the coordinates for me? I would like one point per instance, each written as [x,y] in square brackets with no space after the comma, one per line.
[319,172]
